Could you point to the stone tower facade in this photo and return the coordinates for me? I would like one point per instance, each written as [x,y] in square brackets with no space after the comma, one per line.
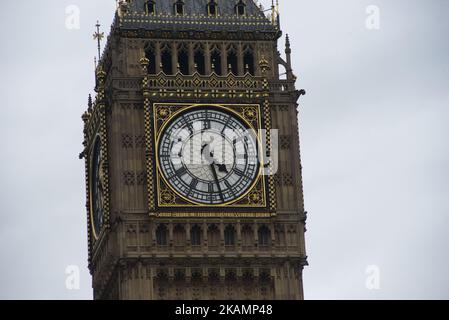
[148,239]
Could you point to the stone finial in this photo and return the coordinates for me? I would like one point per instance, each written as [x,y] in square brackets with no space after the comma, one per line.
[85,116]
[100,72]
[122,8]
[287,44]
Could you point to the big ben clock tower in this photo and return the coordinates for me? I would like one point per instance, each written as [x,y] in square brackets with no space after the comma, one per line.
[193,170]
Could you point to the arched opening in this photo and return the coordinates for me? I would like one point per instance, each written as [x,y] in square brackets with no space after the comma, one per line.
[179,236]
[195,236]
[230,276]
[179,8]
[161,235]
[151,56]
[200,65]
[248,62]
[214,276]
[183,61]
[282,72]
[240,8]
[229,236]
[150,7]
[216,62]
[167,66]
[264,236]
[212,8]
[232,63]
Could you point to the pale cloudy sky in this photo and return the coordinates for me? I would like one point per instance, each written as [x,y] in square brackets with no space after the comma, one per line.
[374,134]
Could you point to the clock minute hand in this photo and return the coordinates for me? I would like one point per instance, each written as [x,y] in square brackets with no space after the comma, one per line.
[214,172]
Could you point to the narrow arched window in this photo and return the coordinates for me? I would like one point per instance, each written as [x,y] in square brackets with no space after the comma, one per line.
[179,8]
[161,235]
[183,60]
[195,236]
[264,236]
[240,8]
[212,8]
[150,7]
[232,60]
[151,56]
[166,60]
[229,236]
[215,59]
[248,62]
[199,62]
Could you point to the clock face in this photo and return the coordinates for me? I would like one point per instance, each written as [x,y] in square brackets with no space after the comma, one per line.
[209,156]
[97,188]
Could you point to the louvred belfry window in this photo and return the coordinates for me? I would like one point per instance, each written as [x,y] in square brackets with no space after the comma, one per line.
[212,8]
[240,8]
[150,7]
[179,7]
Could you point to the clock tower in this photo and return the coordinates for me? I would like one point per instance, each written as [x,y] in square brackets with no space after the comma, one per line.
[191,148]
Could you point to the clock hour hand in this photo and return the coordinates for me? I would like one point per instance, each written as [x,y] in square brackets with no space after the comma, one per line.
[222,168]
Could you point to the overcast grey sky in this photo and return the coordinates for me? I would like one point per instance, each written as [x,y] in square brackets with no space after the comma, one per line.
[374,135]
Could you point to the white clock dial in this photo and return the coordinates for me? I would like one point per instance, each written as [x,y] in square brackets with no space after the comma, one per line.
[209,156]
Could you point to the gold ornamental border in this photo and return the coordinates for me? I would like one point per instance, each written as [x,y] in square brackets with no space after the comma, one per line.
[95,140]
[234,215]
[181,108]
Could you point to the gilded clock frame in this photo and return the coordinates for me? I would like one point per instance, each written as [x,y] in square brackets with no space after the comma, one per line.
[255,198]
[97,233]
[95,127]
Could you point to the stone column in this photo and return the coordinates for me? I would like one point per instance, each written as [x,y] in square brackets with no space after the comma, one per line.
[239,236]
[207,60]
[170,234]
[256,234]
[224,60]
[205,240]
[174,57]
[222,239]
[188,240]
[158,57]
[256,57]
[240,65]
[153,234]
[273,235]
[191,58]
